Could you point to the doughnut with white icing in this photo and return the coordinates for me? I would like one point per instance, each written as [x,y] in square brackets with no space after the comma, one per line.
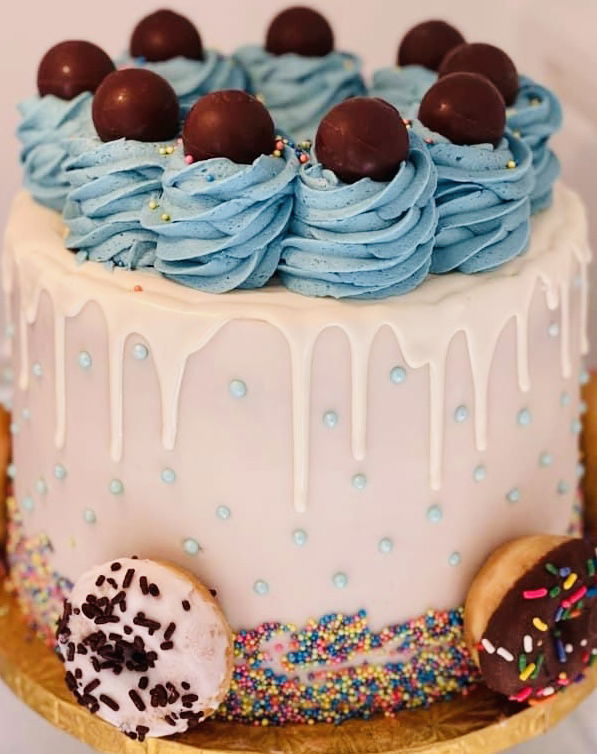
[530,617]
[145,647]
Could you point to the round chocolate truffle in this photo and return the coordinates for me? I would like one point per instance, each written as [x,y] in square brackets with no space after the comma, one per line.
[302,31]
[362,137]
[164,35]
[466,108]
[72,67]
[230,124]
[135,104]
[427,44]
[487,60]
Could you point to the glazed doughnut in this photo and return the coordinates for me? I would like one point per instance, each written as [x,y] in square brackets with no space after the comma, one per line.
[145,647]
[530,617]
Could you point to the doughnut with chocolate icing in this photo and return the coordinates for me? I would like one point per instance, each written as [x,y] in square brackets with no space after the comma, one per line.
[145,647]
[531,616]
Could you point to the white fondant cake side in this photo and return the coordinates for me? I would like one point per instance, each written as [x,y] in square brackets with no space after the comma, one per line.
[301,456]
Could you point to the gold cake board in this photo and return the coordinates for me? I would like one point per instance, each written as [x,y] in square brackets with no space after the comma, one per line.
[480,722]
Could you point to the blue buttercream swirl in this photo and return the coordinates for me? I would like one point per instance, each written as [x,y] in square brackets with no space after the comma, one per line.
[404,87]
[483,205]
[225,222]
[366,240]
[536,115]
[110,184]
[298,91]
[47,123]
[191,79]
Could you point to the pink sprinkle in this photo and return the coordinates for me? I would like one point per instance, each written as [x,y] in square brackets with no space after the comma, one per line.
[138,288]
[534,594]
[523,695]
[188,158]
[179,141]
[279,647]
[280,145]
[304,158]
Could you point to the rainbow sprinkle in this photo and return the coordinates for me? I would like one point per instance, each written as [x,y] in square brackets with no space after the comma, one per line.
[330,670]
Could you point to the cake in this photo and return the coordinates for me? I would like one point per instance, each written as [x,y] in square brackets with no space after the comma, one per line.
[335,451]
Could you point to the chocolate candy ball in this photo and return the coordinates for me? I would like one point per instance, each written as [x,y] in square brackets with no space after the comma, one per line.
[487,60]
[427,44]
[230,124]
[164,35]
[135,104]
[362,137]
[72,67]
[300,30]
[466,108]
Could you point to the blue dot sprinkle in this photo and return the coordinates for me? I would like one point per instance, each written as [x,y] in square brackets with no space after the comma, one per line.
[455,559]
[8,375]
[261,587]
[191,546]
[41,486]
[479,473]
[14,428]
[524,417]
[26,414]
[580,470]
[168,476]
[385,546]
[359,481]
[340,580]
[513,496]
[85,360]
[565,399]
[89,516]
[553,330]
[397,375]
[116,487]
[11,471]
[582,407]
[37,369]
[545,459]
[576,426]
[140,352]
[223,512]
[59,471]
[584,377]
[237,389]
[300,537]
[563,488]
[330,419]
[28,503]
[209,178]
[461,414]
[435,514]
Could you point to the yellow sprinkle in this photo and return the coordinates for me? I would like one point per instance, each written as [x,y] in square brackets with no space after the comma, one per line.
[535,101]
[153,204]
[169,150]
[166,217]
[277,153]
[517,133]
[72,542]
[563,676]
[511,164]
[539,624]
[570,581]
[162,150]
[527,671]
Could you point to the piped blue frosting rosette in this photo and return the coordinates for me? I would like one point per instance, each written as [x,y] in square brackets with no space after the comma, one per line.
[220,224]
[298,91]
[483,202]
[110,185]
[536,115]
[191,79]
[47,123]
[365,240]
[404,87]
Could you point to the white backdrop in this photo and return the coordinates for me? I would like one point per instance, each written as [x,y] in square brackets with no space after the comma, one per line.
[550,40]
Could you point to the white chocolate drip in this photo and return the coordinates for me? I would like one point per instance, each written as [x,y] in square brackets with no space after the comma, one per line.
[177,322]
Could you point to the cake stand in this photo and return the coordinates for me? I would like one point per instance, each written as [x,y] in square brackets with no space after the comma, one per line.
[478,723]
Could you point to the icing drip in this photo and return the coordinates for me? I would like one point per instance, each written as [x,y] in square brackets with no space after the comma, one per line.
[423,323]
